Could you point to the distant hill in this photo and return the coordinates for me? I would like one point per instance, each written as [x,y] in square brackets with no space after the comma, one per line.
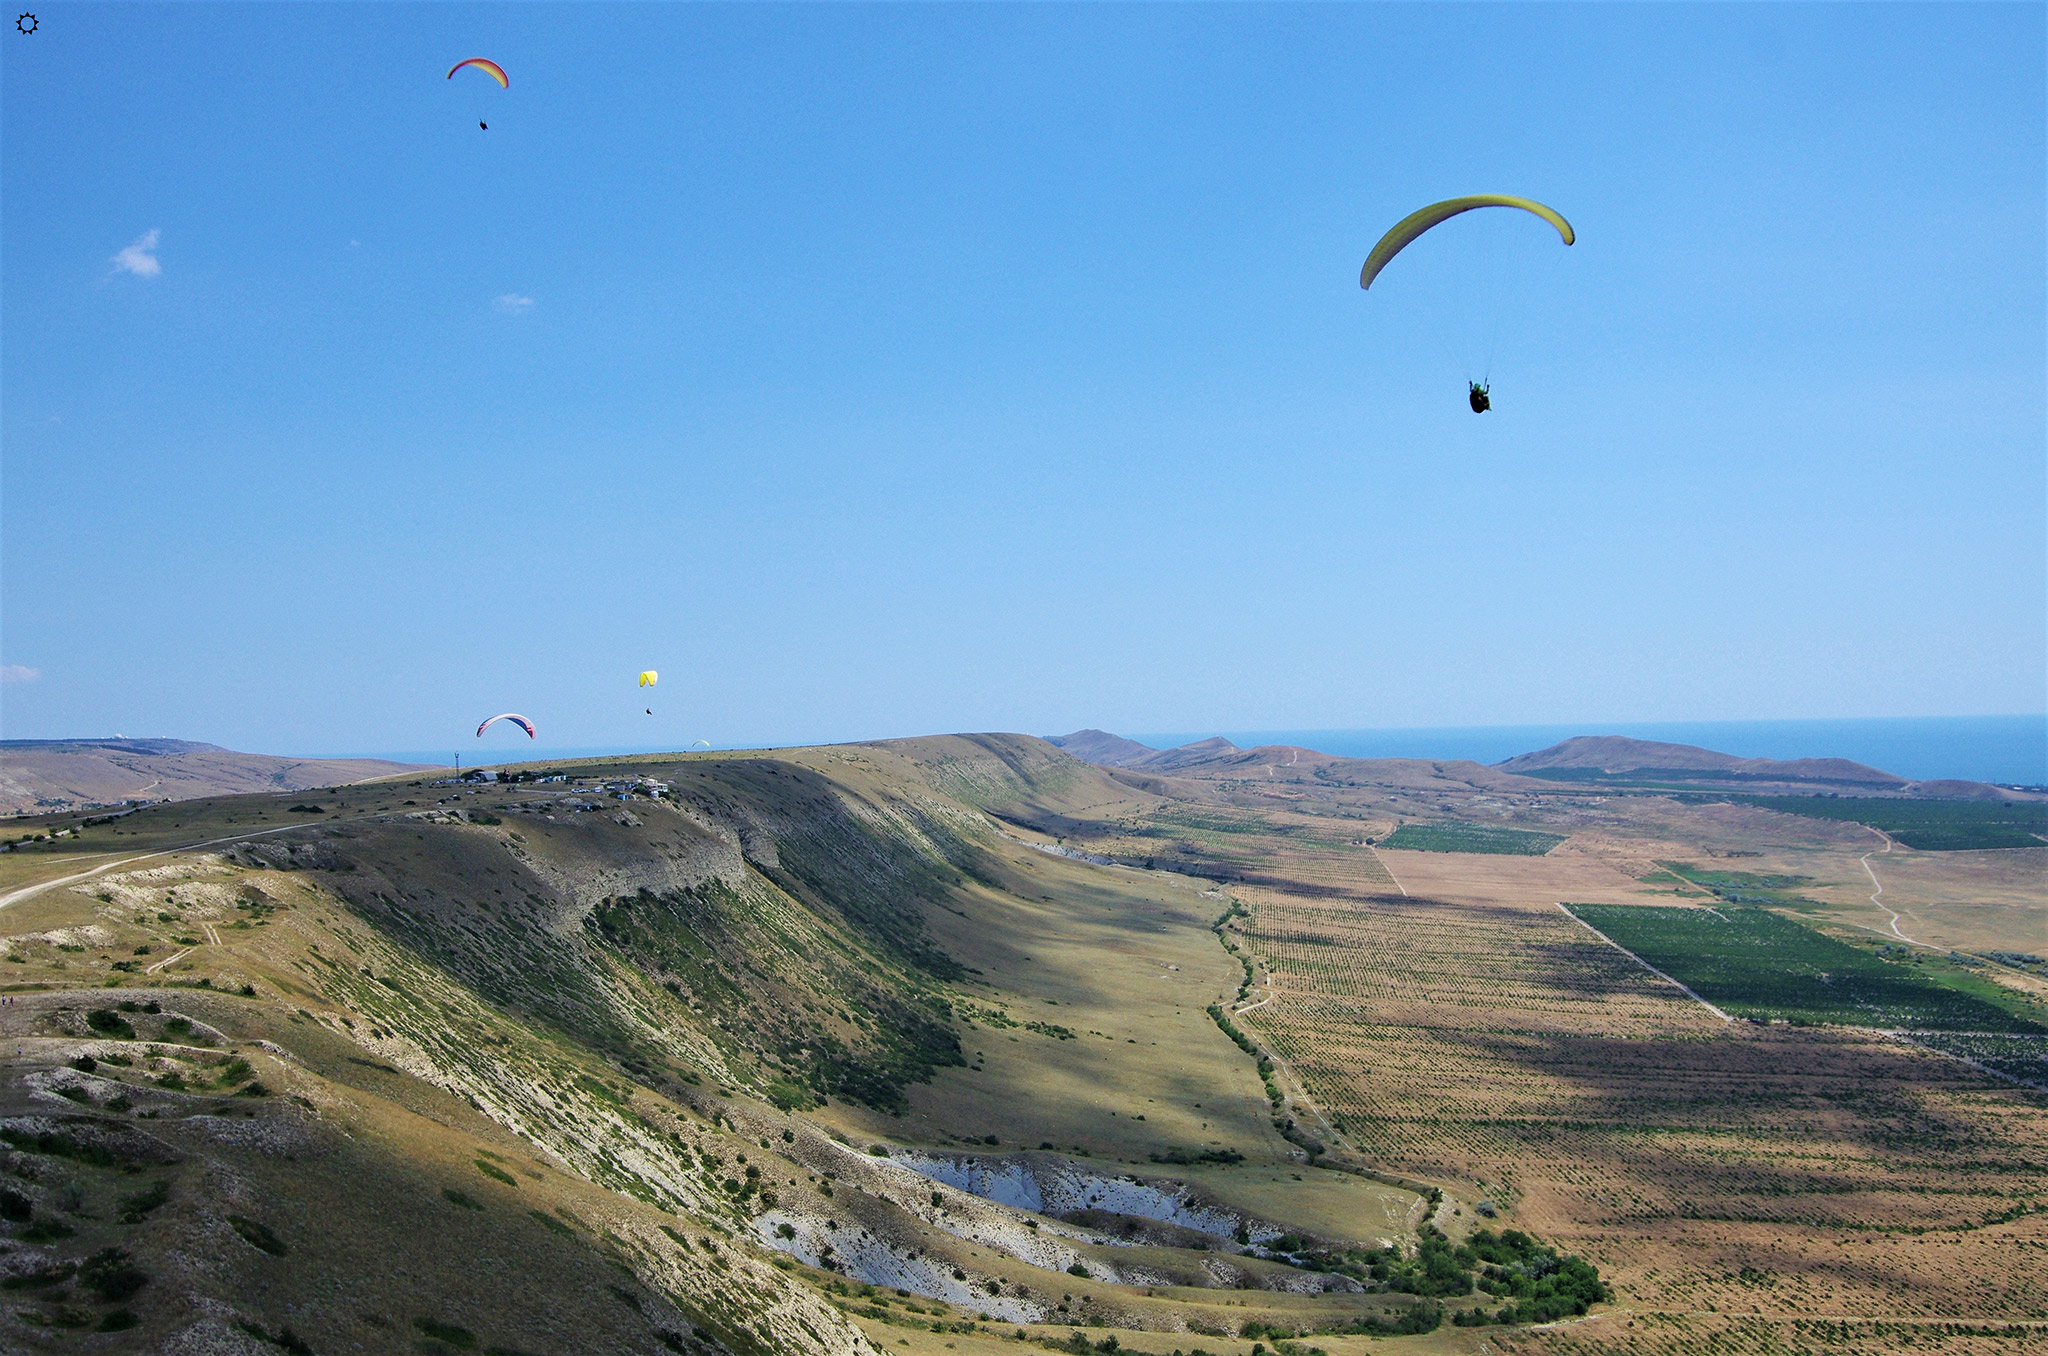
[1187,756]
[1616,755]
[1102,748]
[43,775]
[1107,750]
[1615,760]
[1217,760]
[1585,760]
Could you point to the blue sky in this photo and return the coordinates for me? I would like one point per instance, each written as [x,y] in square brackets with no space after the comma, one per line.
[887,370]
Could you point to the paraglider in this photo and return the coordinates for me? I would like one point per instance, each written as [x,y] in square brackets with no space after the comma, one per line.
[488,67]
[1415,223]
[1412,226]
[705,743]
[649,678]
[521,721]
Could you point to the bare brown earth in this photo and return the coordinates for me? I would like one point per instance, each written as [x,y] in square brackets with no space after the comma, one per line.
[40,776]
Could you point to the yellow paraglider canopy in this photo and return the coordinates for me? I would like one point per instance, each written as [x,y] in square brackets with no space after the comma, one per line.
[649,678]
[1415,223]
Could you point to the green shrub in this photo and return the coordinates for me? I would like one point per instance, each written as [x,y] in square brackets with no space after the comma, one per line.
[107,1022]
[136,1206]
[111,1274]
[258,1236]
[493,1171]
[450,1333]
[50,1273]
[554,1225]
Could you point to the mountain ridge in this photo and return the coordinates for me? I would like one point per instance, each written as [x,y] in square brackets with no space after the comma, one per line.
[42,775]
[1594,760]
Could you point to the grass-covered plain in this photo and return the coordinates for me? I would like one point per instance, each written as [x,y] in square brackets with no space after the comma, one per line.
[1928,825]
[1744,887]
[1458,836]
[1756,963]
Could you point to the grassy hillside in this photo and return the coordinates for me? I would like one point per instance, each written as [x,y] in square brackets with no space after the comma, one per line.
[637,1027]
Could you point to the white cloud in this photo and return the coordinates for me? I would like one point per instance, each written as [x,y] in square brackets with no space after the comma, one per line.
[18,673]
[513,304]
[138,259]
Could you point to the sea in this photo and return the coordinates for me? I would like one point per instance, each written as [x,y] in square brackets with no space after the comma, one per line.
[2005,750]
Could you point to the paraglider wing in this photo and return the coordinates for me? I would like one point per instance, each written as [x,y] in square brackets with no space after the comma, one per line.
[649,678]
[1415,223]
[488,67]
[521,721]
[705,742]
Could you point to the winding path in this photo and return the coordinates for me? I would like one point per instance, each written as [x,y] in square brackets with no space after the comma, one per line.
[1870,871]
[1239,1012]
[167,962]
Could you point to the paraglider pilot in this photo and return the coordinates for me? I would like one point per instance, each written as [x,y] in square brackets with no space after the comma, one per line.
[1480,403]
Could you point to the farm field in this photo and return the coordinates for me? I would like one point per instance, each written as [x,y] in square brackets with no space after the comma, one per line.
[1472,1035]
[1454,836]
[1517,1059]
[1744,887]
[1564,874]
[1756,963]
[1928,825]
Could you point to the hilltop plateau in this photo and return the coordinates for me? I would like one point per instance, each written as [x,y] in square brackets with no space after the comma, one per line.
[962,1040]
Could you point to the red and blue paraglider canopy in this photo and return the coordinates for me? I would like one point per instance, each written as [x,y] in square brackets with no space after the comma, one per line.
[521,721]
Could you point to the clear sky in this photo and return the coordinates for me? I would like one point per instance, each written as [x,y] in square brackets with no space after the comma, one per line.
[899,369]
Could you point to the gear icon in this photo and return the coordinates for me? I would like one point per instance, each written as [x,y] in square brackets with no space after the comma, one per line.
[25,24]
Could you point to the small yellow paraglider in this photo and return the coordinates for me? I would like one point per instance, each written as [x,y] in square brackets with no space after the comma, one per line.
[649,678]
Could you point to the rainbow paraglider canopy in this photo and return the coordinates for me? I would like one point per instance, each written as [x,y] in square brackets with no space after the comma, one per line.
[487,66]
